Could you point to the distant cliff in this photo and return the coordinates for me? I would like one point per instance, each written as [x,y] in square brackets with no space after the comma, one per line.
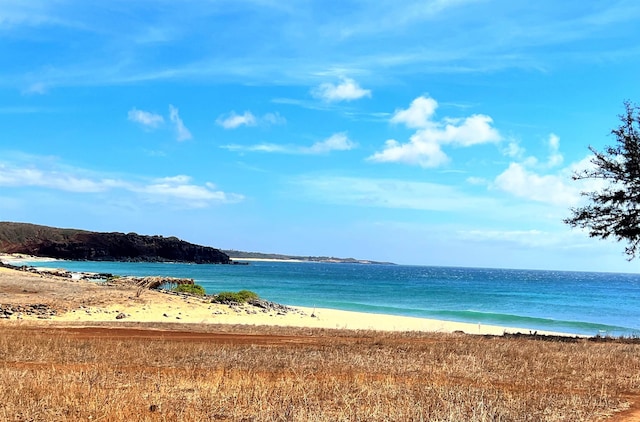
[240,255]
[83,245]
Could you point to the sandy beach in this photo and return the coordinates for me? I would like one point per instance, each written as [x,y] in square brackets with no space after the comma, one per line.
[86,301]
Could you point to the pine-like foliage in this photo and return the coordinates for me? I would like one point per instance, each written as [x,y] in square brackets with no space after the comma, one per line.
[614,210]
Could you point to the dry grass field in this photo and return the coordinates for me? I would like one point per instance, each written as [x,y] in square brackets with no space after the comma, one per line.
[238,373]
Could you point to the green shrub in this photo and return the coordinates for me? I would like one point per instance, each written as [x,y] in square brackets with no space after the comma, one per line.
[232,297]
[247,295]
[194,289]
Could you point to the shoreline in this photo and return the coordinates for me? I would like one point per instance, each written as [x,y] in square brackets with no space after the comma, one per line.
[22,259]
[91,302]
[268,260]
[189,312]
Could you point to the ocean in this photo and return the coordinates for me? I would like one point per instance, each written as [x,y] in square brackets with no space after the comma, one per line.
[583,303]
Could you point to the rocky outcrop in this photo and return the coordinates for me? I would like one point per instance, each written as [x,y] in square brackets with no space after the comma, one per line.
[83,245]
[39,310]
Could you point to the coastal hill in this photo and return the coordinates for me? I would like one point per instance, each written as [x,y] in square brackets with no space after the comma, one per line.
[73,244]
[240,255]
[83,245]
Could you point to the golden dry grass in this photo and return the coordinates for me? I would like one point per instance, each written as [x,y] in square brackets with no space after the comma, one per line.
[283,374]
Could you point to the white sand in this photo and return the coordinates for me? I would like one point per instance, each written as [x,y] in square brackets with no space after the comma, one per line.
[20,259]
[178,309]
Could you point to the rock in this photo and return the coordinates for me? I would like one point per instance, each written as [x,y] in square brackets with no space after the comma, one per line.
[38,310]
[270,306]
[121,315]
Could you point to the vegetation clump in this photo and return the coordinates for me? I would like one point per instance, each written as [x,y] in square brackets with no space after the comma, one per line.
[613,209]
[242,296]
[194,289]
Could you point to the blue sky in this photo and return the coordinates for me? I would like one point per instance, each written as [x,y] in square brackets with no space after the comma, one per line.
[427,132]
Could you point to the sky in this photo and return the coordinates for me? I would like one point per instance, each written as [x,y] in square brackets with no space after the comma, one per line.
[431,132]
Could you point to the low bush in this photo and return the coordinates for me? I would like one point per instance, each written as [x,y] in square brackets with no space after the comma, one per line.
[234,297]
[194,289]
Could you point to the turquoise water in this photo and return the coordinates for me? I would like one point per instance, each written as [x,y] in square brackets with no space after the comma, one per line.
[573,302]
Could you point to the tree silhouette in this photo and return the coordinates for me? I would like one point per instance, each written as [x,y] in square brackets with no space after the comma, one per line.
[614,210]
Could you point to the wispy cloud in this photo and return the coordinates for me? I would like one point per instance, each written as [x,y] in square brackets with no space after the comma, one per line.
[555,157]
[233,120]
[425,145]
[151,121]
[38,88]
[182,133]
[181,188]
[273,119]
[391,193]
[346,90]
[336,142]
[382,38]
[145,118]
[34,177]
[177,190]
[529,238]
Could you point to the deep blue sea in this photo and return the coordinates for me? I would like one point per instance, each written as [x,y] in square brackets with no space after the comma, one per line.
[572,302]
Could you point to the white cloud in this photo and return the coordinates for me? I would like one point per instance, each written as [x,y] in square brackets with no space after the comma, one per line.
[34,177]
[420,151]
[152,121]
[182,133]
[346,90]
[419,113]
[555,158]
[549,188]
[425,145]
[179,190]
[145,118]
[336,142]
[233,120]
[513,150]
[266,147]
[274,119]
[477,181]
[530,178]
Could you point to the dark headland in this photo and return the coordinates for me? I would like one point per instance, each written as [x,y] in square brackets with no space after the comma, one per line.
[84,245]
